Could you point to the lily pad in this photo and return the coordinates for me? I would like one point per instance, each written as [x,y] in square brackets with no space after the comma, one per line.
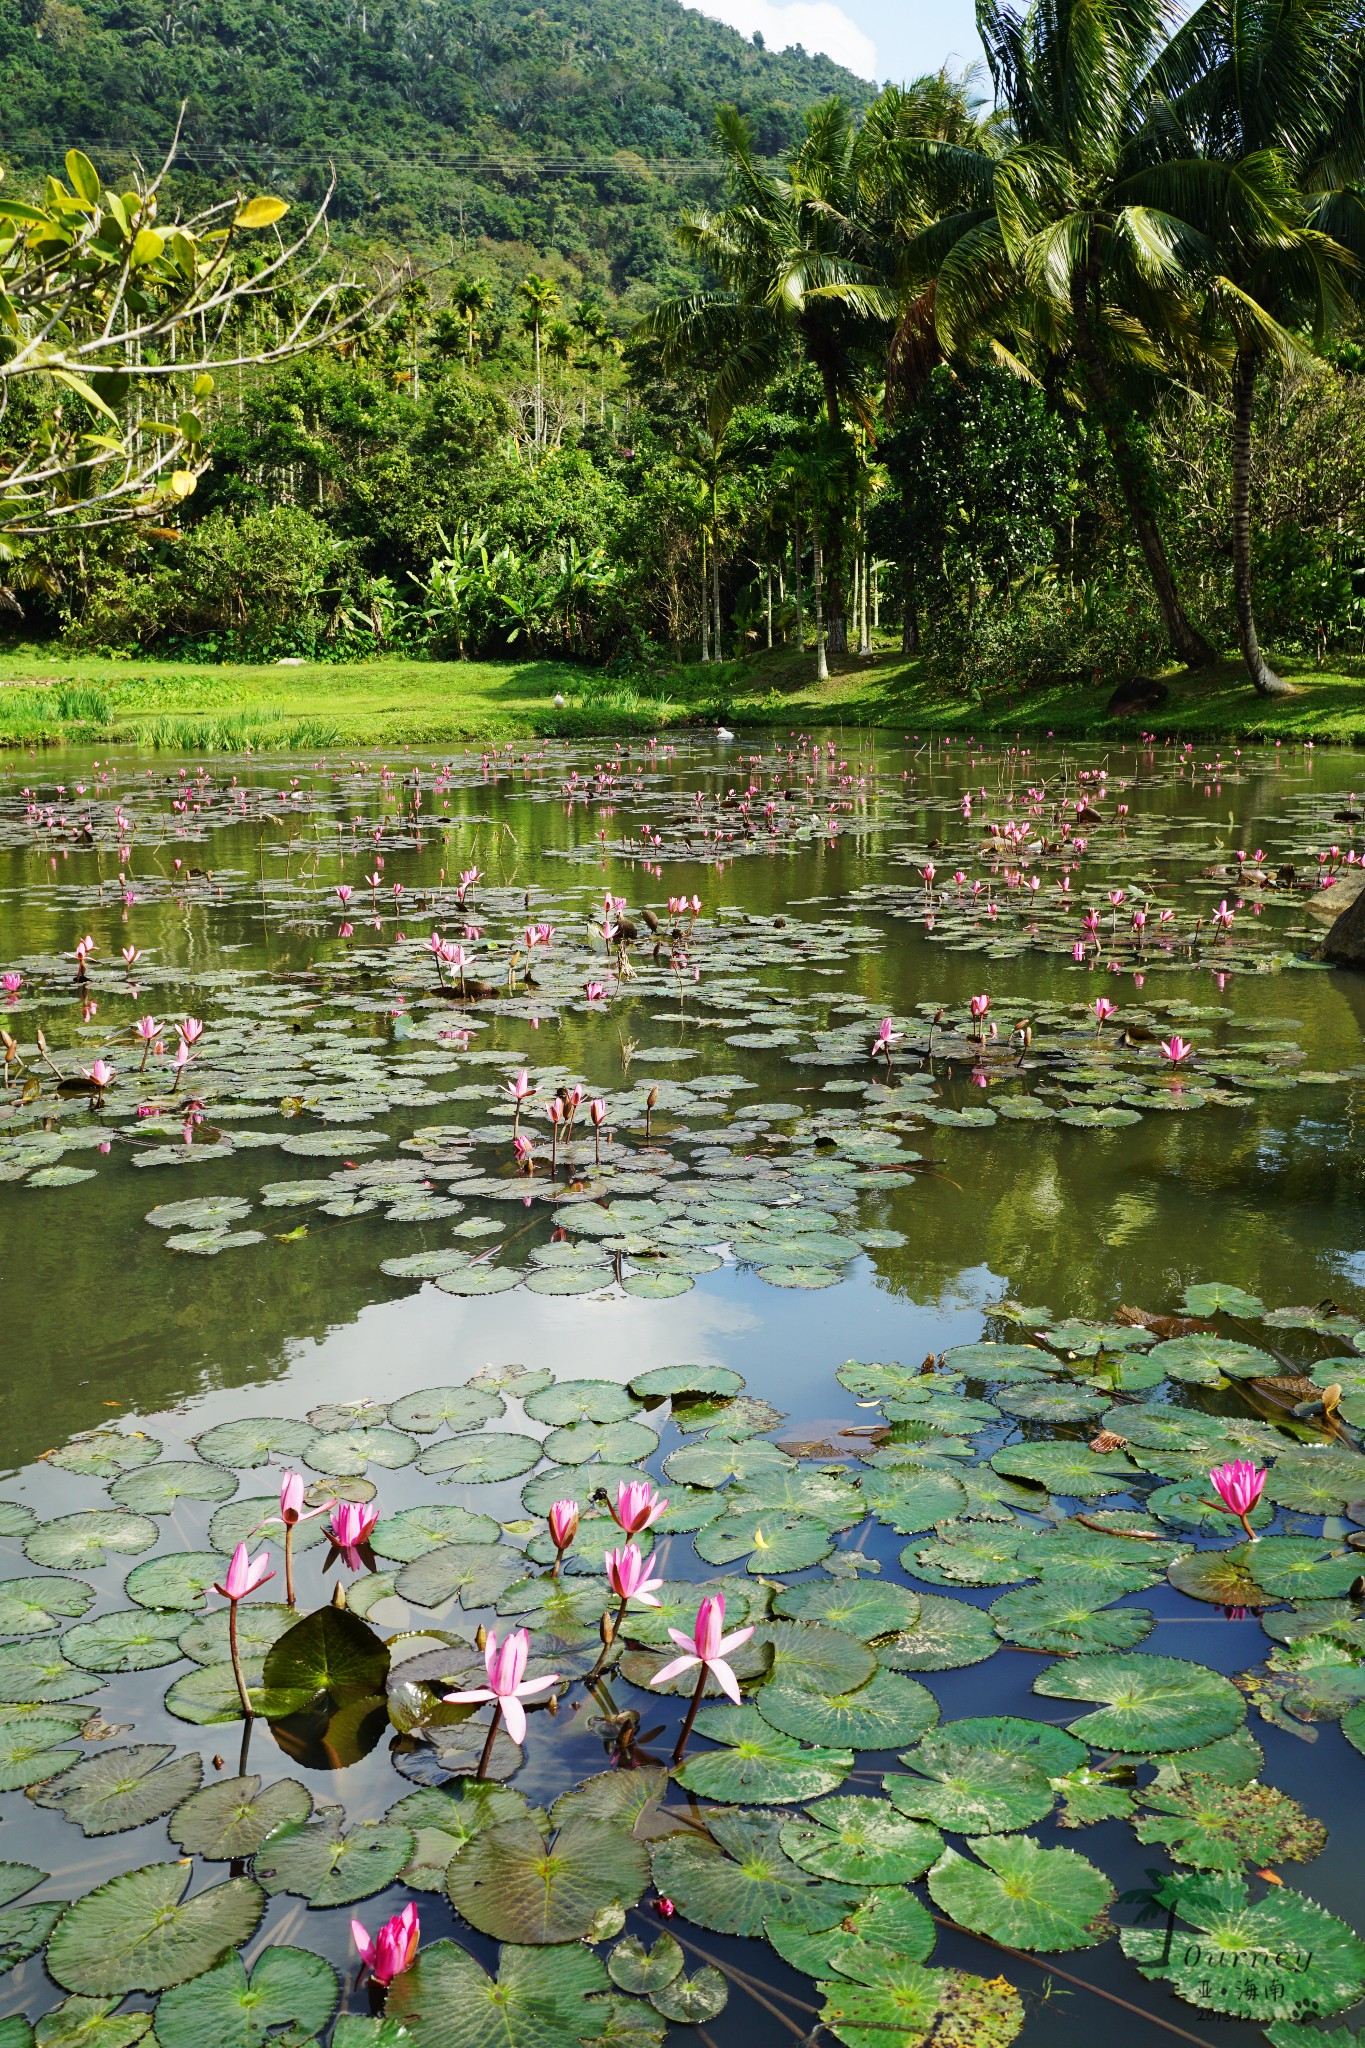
[691,2001]
[1148,1702]
[868,1610]
[1218,1826]
[861,1841]
[886,1712]
[947,1635]
[664,1382]
[29,1749]
[454,1408]
[642,1970]
[288,1988]
[480,1573]
[343,1453]
[122,1788]
[477,1460]
[331,1865]
[733,1878]
[772,1541]
[35,1671]
[537,2001]
[1274,1958]
[413,1532]
[254,1440]
[1060,1617]
[84,1541]
[756,1762]
[34,1607]
[509,1883]
[157,1488]
[919,2008]
[139,1932]
[232,1817]
[1024,1895]
[180,1580]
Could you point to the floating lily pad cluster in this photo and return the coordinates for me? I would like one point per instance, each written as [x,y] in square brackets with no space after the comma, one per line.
[1042,1490]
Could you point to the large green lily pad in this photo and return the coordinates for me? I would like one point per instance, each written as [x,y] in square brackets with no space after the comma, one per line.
[139,1932]
[861,1841]
[1023,1895]
[758,1763]
[1275,1958]
[1148,1702]
[122,1788]
[509,1883]
[539,1999]
[288,1987]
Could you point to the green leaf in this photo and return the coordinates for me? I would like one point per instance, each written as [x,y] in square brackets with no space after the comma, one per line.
[1302,1567]
[139,1932]
[886,1712]
[24,1929]
[642,1970]
[29,1751]
[890,1919]
[691,2001]
[455,1407]
[83,1542]
[104,1453]
[254,1440]
[157,1489]
[288,1988]
[1060,1616]
[969,1784]
[180,1580]
[868,1610]
[948,1635]
[1222,1577]
[1067,1468]
[259,1624]
[1216,1297]
[508,1882]
[91,2023]
[663,1382]
[122,1788]
[34,1607]
[772,1541]
[861,1841]
[1024,1895]
[1148,1702]
[918,2008]
[1280,1957]
[1217,1826]
[345,1453]
[912,1501]
[478,1460]
[331,1656]
[36,1671]
[713,1461]
[807,1653]
[735,1892]
[413,1532]
[757,1762]
[232,1817]
[627,1443]
[128,1639]
[569,1401]
[538,2001]
[480,1573]
[330,1865]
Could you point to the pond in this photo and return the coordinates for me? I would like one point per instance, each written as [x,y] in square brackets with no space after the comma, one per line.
[976,1170]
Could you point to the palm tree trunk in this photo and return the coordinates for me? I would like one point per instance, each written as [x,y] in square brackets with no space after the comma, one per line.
[1267,683]
[540,395]
[705,606]
[1189,643]
[769,590]
[797,586]
[909,611]
[821,665]
[864,641]
[715,573]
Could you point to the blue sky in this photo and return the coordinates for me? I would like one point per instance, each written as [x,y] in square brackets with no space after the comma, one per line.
[879,39]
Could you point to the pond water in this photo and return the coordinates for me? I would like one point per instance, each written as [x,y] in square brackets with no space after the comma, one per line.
[892,1291]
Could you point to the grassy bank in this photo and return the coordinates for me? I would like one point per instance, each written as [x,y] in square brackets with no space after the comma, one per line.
[48,697]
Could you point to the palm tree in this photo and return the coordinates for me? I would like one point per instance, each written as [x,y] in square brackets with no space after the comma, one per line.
[800,275]
[542,297]
[1259,133]
[471,298]
[1041,246]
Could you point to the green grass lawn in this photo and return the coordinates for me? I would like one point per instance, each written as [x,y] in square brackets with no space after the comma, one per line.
[47,697]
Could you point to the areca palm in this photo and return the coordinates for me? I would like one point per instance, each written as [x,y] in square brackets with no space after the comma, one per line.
[1040,246]
[800,276]
[542,297]
[1260,133]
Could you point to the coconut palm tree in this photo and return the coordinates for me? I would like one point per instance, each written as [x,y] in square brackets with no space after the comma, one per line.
[801,276]
[542,297]
[1039,247]
[470,299]
[1261,131]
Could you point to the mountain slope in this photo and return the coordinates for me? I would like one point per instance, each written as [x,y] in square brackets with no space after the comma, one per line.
[443,117]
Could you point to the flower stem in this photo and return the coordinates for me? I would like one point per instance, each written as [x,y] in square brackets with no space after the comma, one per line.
[493,1727]
[691,1717]
[237,1659]
[289,1563]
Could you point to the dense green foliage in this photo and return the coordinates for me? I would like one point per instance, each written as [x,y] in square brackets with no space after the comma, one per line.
[1052,392]
[405,99]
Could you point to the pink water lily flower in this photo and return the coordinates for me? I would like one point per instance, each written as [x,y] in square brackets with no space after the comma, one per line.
[707,1647]
[1238,1485]
[11,983]
[1104,1009]
[628,1576]
[597,1110]
[244,1574]
[351,1526]
[393,1948]
[594,991]
[507,1687]
[1176,1048]
[191,1030]
[637,1506]
[292,1489]
[563,1520]
[100,1074]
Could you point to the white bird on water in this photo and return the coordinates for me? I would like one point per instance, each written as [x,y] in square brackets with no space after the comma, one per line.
[723,733]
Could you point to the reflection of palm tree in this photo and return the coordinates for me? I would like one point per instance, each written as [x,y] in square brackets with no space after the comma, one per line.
[470,298]
[541,296]
[1259,114]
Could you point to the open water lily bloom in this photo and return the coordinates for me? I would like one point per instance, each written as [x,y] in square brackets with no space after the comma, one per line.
[1239,1485]
[507,1686]
[707,1646]
[244,1574]
[394,1947]
[351,1526]
[637,1506]
[628,1576]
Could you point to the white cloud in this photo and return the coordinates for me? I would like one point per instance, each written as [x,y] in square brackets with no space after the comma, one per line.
[817,24]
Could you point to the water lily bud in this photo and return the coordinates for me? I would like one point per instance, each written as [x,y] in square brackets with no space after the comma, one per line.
[480,1637]
[338,1595]
[608,1630]
[665,1908]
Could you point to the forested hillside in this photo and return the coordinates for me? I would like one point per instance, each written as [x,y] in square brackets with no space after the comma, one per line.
[500,119]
